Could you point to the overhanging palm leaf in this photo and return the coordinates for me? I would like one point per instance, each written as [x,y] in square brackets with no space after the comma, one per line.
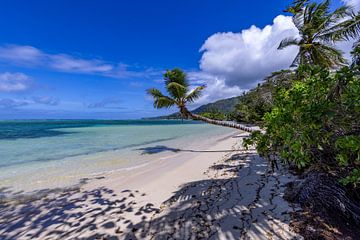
[194,94]
[345,30]
[290,41]
[176,89]
[160,100]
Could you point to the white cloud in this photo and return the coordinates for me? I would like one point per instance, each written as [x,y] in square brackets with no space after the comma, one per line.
[46,100]
[109,103]
[234,62]
[32,57]
[243,59]
[216,88]
[12,103]
[67,63]
[353,3]
[26,55]
[12,82]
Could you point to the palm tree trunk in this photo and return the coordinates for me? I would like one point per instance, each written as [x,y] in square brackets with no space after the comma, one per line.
[219,123]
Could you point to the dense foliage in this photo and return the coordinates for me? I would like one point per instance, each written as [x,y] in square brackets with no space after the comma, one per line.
[316,123]
[214,114]
[254,104]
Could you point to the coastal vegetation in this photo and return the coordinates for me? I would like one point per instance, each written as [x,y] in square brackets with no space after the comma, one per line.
[314,122]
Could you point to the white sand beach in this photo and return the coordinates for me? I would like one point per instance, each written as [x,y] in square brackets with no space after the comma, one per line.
[219,191]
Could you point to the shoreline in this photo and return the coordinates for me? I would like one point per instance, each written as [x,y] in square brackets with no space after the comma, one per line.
[149,200]
[70,170]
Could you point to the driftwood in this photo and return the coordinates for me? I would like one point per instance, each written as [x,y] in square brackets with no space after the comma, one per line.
[322,193]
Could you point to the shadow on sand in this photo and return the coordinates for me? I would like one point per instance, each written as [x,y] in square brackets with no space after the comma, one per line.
[246,203]
[162,148]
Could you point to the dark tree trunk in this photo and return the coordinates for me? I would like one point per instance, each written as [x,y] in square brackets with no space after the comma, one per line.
[324,194]
[187,113]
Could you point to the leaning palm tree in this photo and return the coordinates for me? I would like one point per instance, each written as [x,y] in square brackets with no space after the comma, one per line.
[179,95]
[319,30]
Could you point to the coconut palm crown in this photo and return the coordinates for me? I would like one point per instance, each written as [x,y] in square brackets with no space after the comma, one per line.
[178,87]
[319,29]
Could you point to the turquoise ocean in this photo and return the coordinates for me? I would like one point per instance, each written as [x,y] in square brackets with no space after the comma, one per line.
[57,153]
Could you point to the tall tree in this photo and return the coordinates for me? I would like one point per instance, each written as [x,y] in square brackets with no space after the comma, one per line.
[319,29]
[177,86]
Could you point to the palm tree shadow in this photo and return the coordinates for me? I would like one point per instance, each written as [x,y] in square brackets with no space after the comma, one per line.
[157,149]
[162,148]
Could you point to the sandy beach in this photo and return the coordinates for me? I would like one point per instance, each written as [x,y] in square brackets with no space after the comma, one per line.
[218,191]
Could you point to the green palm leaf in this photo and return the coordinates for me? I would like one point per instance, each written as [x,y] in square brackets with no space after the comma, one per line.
[288,42]
[345,30]
[160,100]
[176,90]
[195,94]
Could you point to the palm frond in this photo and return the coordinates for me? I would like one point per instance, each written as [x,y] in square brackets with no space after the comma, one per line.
[155,93]
[290,41]
[298,20]
[176,75]
[345,30]
[326,56]
[335,55]
[195,94]
[160,100]
[176,90]
[332,19]
[296,7]
[296,60]
[308,12]
[164,102]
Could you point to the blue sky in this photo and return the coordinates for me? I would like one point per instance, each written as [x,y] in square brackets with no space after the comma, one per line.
[94,59]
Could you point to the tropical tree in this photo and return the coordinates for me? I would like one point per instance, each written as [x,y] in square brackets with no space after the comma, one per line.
[178,86]
[319,29]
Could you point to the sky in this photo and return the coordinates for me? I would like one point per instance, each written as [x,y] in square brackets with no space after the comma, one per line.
[95,59]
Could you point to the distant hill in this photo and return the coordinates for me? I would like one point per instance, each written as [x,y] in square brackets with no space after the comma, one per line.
[223,105]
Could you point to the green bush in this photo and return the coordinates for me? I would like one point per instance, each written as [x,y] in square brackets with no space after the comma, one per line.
[315,123]
[214,114]
[254,104]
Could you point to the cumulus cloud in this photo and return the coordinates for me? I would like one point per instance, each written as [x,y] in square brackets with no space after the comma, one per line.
[32,57]
[216,88]
[236,61]
[46,100]
[243,59]
[12,103]
[109,103]
[353,3]
[12,82]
